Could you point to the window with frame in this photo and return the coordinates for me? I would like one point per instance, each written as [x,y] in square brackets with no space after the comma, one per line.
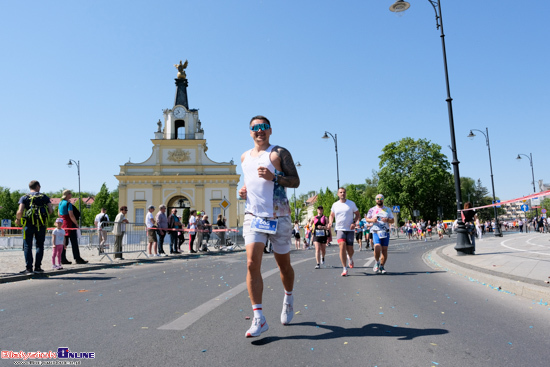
[215,212]
[139,215]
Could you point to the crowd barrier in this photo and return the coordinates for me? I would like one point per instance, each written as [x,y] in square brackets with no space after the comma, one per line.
[134,238]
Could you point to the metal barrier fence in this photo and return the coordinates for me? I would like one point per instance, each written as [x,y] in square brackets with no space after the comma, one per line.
[119,238]
[133,240]
[11,238]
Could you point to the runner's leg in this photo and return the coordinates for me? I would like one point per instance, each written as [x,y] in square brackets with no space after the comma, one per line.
[254,281]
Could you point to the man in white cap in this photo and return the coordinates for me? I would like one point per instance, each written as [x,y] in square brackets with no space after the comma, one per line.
[381,217]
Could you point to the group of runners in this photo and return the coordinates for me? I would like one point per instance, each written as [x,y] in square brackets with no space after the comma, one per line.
[268,170]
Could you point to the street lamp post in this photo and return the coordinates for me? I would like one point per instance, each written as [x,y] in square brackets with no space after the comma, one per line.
[77,163]
[463,244]
[471,136]
[335,138]
[298,165]
[530,156]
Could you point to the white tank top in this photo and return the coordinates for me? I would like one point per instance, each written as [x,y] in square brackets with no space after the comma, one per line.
[264,198]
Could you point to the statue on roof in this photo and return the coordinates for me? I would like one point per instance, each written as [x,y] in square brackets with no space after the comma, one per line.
[181,69]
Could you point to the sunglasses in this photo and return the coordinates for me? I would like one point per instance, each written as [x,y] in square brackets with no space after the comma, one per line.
[262,127]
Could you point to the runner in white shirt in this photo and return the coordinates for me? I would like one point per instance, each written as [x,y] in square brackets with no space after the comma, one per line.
[346,214]
[268,170]
[381,216]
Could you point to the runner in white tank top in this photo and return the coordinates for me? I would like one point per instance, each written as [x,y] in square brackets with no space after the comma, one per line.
[265,199]
[267,170]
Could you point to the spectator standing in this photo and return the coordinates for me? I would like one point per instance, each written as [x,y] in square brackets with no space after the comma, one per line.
[119,230]
[296,233]
[207,230]
[100,221]
[151,232]
[70,216]
[174,223]
[199,224]
[221,225]
[181,236]
[469,217]
[58,238]
[192,230]
[32,214]
[162,223]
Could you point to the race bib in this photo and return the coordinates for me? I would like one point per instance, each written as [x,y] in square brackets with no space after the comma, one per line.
[268,226]
[382,234]
[320,233]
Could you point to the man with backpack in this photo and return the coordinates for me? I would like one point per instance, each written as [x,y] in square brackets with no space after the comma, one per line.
[101,221]
[33,212]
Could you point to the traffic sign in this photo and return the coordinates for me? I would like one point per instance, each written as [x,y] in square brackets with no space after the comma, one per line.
[225,204]
[396,209]
[543,211]
[525,207]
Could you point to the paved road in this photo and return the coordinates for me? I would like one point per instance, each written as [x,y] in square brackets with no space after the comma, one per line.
[191,312]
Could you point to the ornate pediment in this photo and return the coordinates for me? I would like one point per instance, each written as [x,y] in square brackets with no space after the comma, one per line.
[179,156]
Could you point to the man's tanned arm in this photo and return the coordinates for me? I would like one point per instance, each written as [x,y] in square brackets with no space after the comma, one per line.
[290,179]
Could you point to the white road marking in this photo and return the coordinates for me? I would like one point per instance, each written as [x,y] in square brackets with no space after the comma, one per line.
[369,262]
[522,250]
[183,322]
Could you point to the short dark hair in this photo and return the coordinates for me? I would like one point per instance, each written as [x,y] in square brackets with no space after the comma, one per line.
[121,208]
[259,117]
[33,185]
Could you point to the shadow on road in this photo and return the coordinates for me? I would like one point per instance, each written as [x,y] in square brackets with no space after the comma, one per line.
[372,330]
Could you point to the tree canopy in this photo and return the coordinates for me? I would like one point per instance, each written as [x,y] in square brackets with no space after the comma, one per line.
[415,175]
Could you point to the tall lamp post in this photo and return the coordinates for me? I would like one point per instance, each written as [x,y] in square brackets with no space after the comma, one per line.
[335,138]
[77,164]
[471,135]
[298,165]
[463,245]
[530,156]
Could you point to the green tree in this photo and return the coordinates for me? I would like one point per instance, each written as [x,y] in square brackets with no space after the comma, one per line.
[301,207]
[103,199]
[9,204]
[326,199]
[415,175]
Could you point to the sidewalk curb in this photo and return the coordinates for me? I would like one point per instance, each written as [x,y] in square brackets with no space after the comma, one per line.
[82,269]
[520,286]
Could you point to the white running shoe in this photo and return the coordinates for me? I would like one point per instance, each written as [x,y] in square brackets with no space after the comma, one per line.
[382,270]
[322,260]
[345,273]
[350,263]
[317,266]
[376,267]
[259,325]
[287,314]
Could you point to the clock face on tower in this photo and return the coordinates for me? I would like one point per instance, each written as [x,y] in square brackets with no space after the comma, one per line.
[179,112]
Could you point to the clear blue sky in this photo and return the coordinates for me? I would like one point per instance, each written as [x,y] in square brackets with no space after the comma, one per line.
[88,80]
